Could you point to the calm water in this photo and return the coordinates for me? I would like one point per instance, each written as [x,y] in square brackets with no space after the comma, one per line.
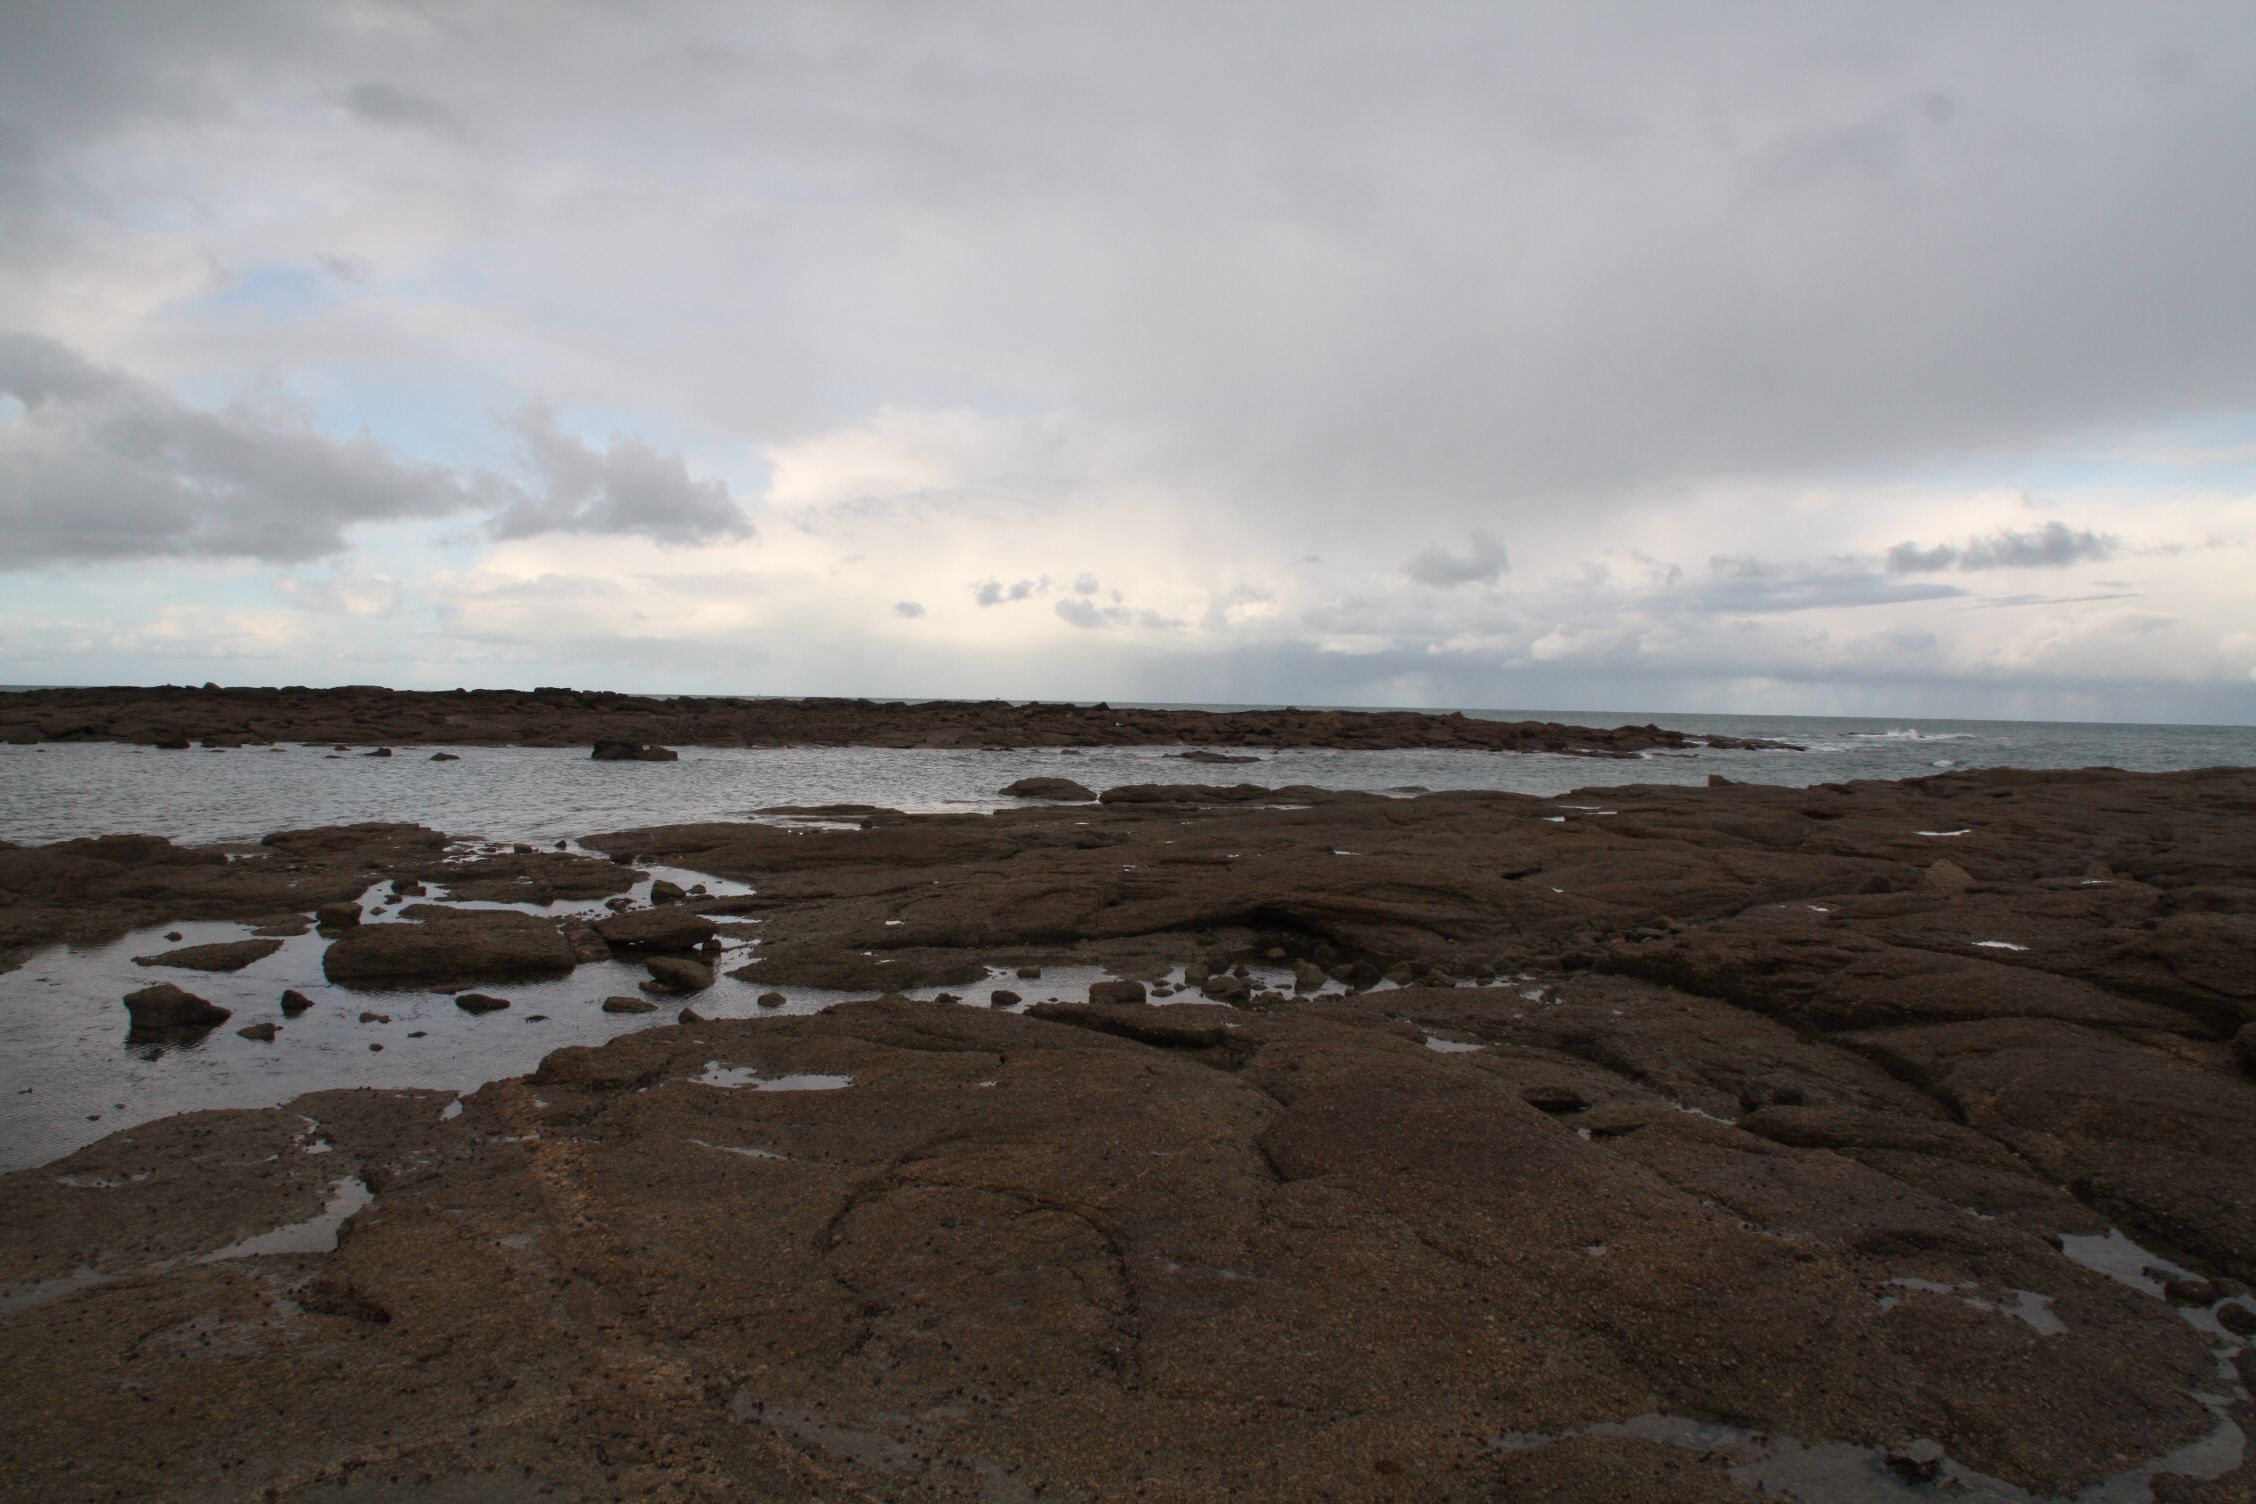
[524,793]
[67,1076]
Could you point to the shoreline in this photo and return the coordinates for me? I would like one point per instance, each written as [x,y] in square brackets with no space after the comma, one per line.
[211,716]
[1856,1114]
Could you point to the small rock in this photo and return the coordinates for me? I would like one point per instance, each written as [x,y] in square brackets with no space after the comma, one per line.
[1920,1461]
[1063,790]
[165,1007]
[367,1017]
[1765,1091]
[611,749]
[1400,973]
[379,752]
[173,936]
[1226,988]
[1116,992]
[295,1002]
[1029,973]
[1003,998]
[1196,973]
[374,1047]
[665,891]
[946,997]
[689,1016]
[772,1000]
[679,973]
[2237,1319]
[2185,1290]
[1436,977]
[264,1033]
[337,916]
[480,1002]
[1307,977]
[628,1005]
[444,757]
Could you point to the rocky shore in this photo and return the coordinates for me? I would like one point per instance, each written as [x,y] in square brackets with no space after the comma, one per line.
[212,716]
[1868,1141]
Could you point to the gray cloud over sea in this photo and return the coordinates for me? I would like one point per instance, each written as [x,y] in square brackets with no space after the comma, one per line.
[1734,348]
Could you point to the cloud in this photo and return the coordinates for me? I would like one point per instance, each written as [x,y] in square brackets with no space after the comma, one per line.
[358,595]
[627,488]
[992,592]
[385,105]
[2049,547]
[104,466]
[908,609]
[1481,564]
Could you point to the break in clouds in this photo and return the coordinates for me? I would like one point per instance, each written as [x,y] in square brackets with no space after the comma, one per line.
[1795,357]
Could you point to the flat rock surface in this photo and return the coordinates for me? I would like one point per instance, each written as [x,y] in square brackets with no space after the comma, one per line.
[1758,1155]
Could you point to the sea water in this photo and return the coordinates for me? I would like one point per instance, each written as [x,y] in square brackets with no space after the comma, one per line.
[57,791]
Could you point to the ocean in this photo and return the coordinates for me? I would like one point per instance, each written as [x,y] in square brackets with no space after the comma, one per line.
[58,791]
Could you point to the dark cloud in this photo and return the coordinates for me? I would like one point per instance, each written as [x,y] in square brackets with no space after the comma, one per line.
[105,466]
[102,465]
[993,592]
[628,488]
[2049,547]
[386,105]
[908,609]
[1481,564]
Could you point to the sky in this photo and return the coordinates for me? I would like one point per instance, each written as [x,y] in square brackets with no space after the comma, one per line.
[1877,360]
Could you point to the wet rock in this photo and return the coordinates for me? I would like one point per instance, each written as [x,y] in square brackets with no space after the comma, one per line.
[628,1005]
[1307,977]
[1116,992]
[445,757]
[672,928]
[263,1032]
[611,750]
[226,955]
[586,944]
[771,1000]
[2237,1319]
[370,1016]
[1226,988]
[337,916]
[679,974]
[1920,1461]
[480,1002]
[1202,755]
[2187,1290]
[1029,973]
[165,1008]
[295,1002]
[689,1016]
[665,890]
[1060,789]
[460,947]
[1186,1028]
[1003,997]
[379,752]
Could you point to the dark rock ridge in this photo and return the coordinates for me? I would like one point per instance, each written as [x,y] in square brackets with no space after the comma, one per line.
[637,726]
[1757,1140]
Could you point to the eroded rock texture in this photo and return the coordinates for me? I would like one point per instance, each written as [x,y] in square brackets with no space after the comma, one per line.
[1766,1141]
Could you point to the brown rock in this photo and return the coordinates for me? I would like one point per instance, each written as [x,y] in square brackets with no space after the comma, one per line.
[337,916]
[1115,992]
[628,1005]
[480,1002]
[611,750]
[165,1008]
[449,947]
[672,928]
[679,974]
[1060,789]
[226,955]
[295,1002]
[263,1032]
[772,1000]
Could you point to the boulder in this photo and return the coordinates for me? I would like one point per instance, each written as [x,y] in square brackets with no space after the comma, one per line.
[165,1008]
[1003,998]
[1116,992]
[673,927]
[480,1002]
[772,1000]
[1307,977]
[611,749]
[262,1032]
[337,916]
[628,1005]
[679,974]
[465,946]
[295,1002]
[664,891]
[1225,988]
[1063,790]
[226,955]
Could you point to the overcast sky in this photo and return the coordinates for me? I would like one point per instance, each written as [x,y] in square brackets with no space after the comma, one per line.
[1874,359]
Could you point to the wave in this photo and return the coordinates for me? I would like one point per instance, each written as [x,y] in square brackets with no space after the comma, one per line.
[1910,734]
